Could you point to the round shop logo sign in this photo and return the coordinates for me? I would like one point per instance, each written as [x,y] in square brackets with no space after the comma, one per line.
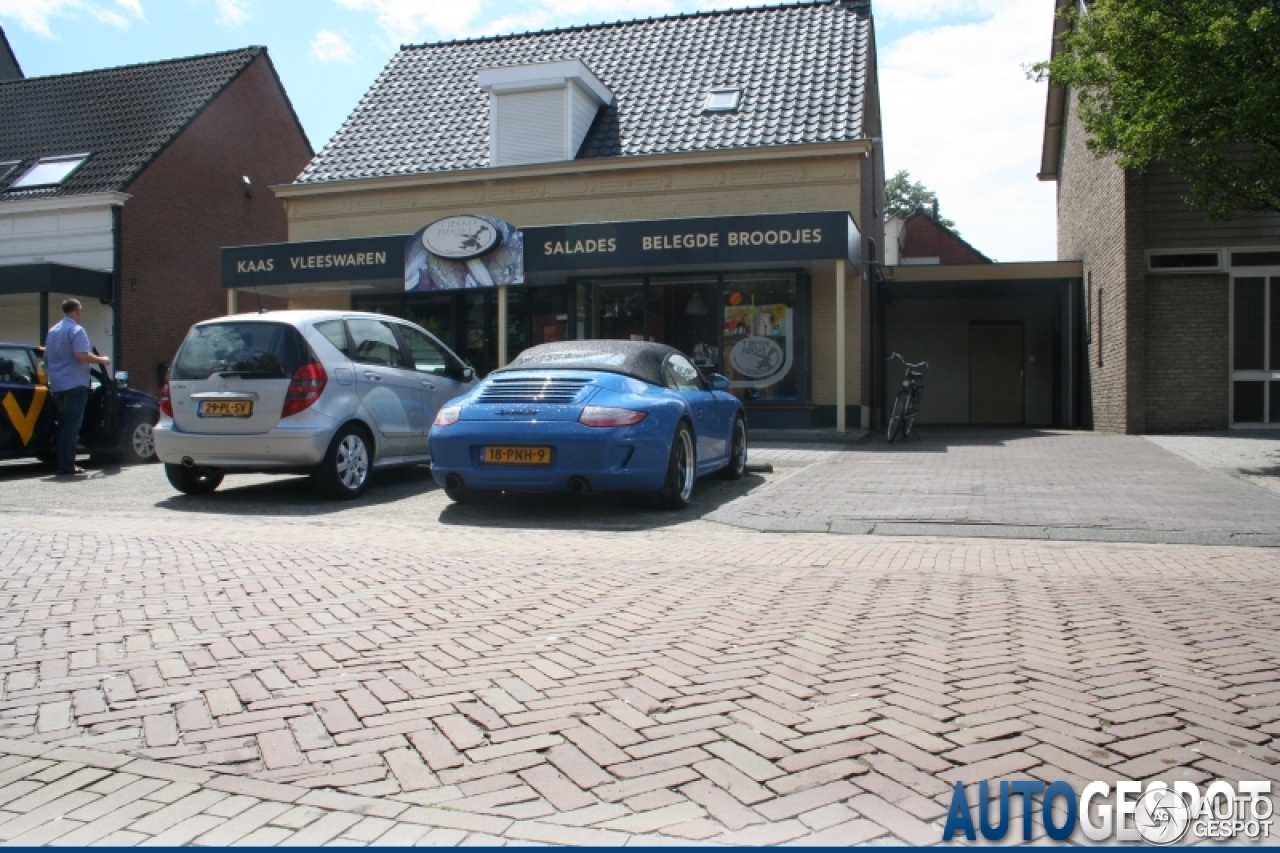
[460,238]
[1161,816]
[756,357]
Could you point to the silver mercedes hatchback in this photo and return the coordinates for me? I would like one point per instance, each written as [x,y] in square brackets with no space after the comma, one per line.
[335,394]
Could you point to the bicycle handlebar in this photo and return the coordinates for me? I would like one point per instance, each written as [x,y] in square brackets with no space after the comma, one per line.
[892,356]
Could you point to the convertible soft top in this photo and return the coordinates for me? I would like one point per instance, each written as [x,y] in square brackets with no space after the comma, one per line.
[637,359]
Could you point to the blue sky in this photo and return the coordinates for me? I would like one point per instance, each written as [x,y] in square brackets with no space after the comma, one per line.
[959,113]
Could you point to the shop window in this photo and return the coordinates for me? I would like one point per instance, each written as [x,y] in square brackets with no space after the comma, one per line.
[434,312]
[617,310]
[761,353]
[548,316]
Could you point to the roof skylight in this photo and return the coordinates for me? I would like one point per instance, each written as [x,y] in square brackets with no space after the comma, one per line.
[723,100]
[49,172]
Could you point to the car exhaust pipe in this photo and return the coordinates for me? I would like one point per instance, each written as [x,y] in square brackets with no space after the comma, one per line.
[579,486]
[454,483]
[188,462]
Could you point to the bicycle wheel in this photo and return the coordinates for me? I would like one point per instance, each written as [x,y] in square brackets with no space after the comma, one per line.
[909,416]
[895,419]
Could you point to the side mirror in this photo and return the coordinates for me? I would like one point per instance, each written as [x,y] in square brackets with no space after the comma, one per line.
[719,382]
[122,378]
[466,374]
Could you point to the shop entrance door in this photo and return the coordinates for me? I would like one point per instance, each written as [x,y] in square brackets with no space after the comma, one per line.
[1255,350]
[996,378]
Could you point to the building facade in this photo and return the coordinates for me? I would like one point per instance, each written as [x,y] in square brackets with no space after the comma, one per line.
[120,187]
[1182,319]
[712,181]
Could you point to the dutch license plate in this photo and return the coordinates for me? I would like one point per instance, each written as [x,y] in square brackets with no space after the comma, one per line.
[225,408]
[501,455]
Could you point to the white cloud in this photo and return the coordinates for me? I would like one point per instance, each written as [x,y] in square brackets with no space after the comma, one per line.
[329,46]
[923,10]
[413,20]
[36,15]
[960,115]
[404,20]
[232,13]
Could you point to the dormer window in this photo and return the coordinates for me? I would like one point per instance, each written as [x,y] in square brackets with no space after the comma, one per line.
[541,112]
[49,172]
[724,100]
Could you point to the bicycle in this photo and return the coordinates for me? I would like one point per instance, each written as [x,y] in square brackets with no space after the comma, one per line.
[907,405]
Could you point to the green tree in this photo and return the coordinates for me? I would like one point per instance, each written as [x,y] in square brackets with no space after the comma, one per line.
[902,197]
[1193,83]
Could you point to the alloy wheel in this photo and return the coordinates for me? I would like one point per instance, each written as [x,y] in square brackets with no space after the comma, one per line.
[144,441]
[684,463]
[352,461]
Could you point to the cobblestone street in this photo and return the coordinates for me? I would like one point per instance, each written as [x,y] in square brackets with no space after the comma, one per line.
[262,667]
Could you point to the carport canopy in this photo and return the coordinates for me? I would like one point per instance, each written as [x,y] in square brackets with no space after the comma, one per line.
[55,278]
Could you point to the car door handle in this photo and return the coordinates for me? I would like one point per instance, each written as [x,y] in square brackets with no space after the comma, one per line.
[428,385]
[369,374]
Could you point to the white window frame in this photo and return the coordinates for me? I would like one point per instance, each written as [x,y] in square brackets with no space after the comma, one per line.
[709,105]
[79,160]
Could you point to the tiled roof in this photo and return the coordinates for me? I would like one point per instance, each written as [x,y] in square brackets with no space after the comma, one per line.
[803,70]
[122,117]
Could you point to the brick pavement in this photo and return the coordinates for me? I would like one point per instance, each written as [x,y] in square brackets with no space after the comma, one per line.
[232,679]
[1033,485]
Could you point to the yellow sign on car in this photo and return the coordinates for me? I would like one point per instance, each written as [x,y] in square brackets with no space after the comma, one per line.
[24,423]
[504,455]
[225,408]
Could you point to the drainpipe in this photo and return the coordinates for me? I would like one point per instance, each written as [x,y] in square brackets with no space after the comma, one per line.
[117,291]
[44,316]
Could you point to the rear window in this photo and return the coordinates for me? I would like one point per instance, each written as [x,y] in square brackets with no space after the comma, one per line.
[584,359]
[246,349]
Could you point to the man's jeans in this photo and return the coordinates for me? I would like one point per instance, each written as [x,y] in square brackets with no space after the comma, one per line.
[71,406]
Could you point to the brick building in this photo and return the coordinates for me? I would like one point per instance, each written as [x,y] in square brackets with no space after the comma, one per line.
[1182,319]
[119,186]
[922,239]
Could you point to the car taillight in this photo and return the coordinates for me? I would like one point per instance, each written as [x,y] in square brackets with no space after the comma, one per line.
[448,416]
[608,416]
[305,388]
[166,404]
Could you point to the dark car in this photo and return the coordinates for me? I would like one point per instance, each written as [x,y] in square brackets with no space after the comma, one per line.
[117,421]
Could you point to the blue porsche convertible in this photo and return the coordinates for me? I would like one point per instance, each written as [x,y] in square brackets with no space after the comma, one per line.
[584,416]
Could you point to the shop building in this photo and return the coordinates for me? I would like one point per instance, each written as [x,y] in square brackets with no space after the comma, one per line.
[1182,325]
[713,181]
[120,186]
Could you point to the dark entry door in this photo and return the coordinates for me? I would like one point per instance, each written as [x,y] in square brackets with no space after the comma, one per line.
[996,382]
